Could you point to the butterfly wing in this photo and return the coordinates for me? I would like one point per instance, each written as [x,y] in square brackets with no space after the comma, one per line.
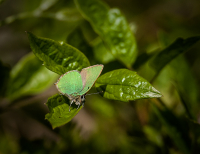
[70,83]
[89,76]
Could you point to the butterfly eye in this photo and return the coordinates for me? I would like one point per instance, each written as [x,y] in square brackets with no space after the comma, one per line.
[88,87]
[83,98]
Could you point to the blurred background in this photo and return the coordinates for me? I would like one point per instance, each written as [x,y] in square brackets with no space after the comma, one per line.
[150,126]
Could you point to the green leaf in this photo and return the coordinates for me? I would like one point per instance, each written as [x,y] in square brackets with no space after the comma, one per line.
[112,27]
[4,76]
[77,40]
[29,77]
[176,48]
[181,73]
[142,58]
[175,129]
[59,110]
[45,4]
[125,85]
[101,53]
[57,57]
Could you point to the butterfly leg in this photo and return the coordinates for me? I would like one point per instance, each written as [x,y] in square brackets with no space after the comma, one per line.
[70,104]
[78,106]
[83,104]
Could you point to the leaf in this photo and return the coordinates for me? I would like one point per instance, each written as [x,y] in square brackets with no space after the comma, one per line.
[181,73]
[101,53]
[59,110]
[77,40]
[45,4]
[125,85]
[4,76]
[176,48]
[153,135]
[142,58]
[175,129]
[57,57]
[112,27]
[29,77]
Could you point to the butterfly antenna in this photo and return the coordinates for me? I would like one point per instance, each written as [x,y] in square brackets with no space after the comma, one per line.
[95,93]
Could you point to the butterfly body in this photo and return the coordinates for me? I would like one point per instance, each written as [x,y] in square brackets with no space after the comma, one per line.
[75,85]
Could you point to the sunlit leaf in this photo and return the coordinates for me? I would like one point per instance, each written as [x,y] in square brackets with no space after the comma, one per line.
[176,48]
[29,77]
[59,110]
[174,128]
[125,85]
[57,57]
[112,27]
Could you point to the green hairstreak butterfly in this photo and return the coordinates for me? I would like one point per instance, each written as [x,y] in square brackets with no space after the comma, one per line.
[75,84]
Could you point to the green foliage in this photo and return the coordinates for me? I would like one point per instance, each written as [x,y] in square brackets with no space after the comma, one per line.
[29,77]
[77,40]
[112,27]
[57,57]
[59,110]
[146,104]
[125,85]
[122,85]
[99,47]
[174,128]
[171,52]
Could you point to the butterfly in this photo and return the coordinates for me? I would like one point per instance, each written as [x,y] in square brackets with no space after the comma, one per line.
[75,84]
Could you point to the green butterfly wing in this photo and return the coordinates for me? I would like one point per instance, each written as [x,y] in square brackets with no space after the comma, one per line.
[89,76]
[70,83]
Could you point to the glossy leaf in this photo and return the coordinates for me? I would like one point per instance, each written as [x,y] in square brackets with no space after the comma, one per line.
[59,110]
[112,27]
[175,129]
[29,77]
[125,85]
[57,57]
[165,56]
